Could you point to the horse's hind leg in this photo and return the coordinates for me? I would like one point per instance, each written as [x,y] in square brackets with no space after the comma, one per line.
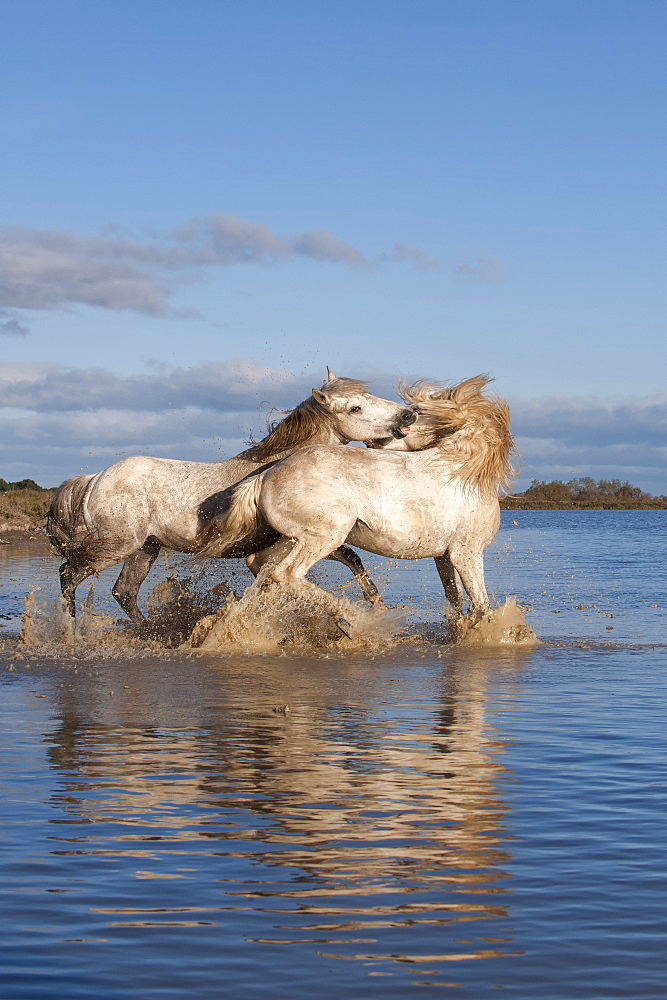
[274,553]
[279,555]
[348,557]
[450,581]
[135,570]
[343,554]
[307,550]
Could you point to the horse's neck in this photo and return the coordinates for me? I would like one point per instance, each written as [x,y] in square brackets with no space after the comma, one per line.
[435,464]
[324,434]
[328,435]
[438,461]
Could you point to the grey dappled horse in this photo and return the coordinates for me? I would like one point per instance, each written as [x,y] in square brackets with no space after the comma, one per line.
[137,506]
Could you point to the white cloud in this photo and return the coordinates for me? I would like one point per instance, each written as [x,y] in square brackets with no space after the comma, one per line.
[42,269]
[221,386]
[56,420]
[589,420]
[221,239]
[417,256]
[321,245]
[485,269]
[569,437]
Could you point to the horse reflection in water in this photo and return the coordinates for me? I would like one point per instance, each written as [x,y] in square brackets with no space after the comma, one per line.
[131,510]
[368,823]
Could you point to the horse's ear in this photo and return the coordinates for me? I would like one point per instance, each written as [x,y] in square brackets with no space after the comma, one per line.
[320,397]
[330,375]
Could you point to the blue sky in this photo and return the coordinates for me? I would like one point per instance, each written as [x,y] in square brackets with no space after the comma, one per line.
[230,196]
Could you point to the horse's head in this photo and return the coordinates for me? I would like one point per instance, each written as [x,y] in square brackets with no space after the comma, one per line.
[464,424]
[343,410]
[441,410]
[356,415]
[423,433]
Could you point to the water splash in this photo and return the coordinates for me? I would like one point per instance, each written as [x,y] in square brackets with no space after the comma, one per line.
[271,616]
[268,618]
[47,622]
[174,610]
[502,626]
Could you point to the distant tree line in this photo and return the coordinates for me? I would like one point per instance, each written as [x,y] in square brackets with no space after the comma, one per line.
[22,484]
[584,489]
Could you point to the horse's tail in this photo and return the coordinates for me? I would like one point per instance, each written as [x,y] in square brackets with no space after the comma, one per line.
[66,522]
[243,516]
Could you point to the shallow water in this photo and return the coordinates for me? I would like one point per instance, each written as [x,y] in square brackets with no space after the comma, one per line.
[345,823]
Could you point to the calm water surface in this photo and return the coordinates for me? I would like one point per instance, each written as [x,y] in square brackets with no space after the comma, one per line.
[427,817]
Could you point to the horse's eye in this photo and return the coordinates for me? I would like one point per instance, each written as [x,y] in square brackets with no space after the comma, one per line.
[355,409]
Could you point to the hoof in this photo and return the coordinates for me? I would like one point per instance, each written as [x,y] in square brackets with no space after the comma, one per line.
[344,626]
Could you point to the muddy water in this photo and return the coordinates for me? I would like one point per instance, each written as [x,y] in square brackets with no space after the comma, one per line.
[345,821]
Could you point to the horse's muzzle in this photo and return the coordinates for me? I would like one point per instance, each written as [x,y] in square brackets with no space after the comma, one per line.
[406,418]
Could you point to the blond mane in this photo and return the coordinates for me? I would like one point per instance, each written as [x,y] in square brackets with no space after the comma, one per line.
[304,424]
[459,420]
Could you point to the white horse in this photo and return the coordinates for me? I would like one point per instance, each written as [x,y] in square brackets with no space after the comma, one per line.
[137,506]
[438,499]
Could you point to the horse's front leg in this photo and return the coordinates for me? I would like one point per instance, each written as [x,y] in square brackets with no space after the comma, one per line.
[135,570]
[71,576]
[470,567]
[348,557]
[450,581]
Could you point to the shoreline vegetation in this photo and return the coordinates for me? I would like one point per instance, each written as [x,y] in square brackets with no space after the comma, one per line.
[23,511]
[517,501]
[24,505]
[582,494]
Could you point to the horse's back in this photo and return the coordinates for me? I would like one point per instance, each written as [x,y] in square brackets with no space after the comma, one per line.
[170,480]
[140,497]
